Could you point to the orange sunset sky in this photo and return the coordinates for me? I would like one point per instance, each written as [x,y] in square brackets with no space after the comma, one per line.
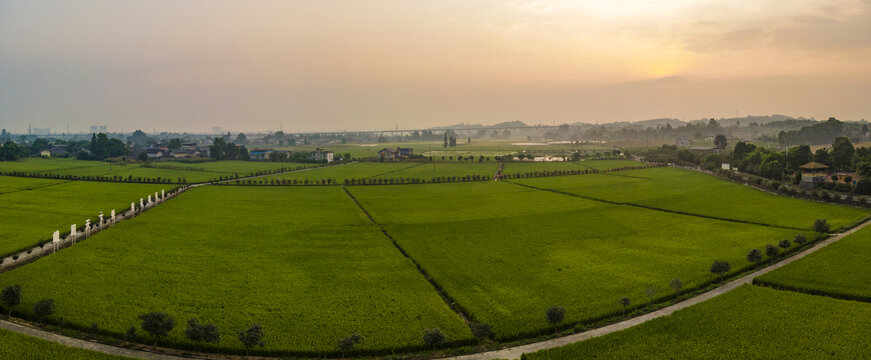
[333,65]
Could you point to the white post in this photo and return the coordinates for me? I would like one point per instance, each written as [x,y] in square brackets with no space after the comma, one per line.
[155,197]
[101,219]
[113,216]
[55,238]
[87,228]
[141,204]
[162,194]
[149,200]
[73,232]
[132,208]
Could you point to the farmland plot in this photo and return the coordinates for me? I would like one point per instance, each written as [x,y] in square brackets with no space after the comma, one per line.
[507,253]
[358,170]
[28,217]
[750,322]
[691,192]
[837,270]
[22,347]
[303,262]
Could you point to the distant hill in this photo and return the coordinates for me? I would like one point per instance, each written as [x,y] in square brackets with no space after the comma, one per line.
[652,123]
[744,121]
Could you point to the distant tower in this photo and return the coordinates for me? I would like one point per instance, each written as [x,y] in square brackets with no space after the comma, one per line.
[29,130]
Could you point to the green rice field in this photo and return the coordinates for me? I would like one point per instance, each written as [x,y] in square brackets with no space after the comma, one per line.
[507,253]
[695,193]
[311,274]
[750,322]
[28,217]
[22,347]
[834,270]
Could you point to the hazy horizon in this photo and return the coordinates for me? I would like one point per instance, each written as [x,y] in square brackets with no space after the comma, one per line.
[303,66]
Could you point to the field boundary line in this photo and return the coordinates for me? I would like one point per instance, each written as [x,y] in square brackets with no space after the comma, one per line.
[516,351]
[273,174]
[396,170]
[36,187]
[654,208]
[452,304]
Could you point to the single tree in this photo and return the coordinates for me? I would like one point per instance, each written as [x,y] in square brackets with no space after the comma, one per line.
[43,309]
[784,244]
[821,226]
[651,292]
[157,324]
[720,142]
[11,297]
[677,285]
[347,343]
[720,267]
[481,331]
[251,337]
[625,302]
[555,314]
[800,239]
[771,250]
[433,337]
[754,256]
[201,332]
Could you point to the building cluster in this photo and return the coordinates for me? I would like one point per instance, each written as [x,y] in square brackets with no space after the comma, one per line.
[398,153]
[187,150]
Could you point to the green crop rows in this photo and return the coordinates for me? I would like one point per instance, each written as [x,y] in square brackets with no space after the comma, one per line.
[750,322]
[22,347]
[833,270]
[506,253]
[304,262]
[28,217]
[695,193]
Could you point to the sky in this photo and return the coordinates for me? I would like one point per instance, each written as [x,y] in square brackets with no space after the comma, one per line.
[190,65]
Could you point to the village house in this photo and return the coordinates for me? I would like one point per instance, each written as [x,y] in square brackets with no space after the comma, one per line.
[321,155]
[154,153]
[189,146]
[812,173]
[398,153]
[259,154]
[184,153]
[58,151]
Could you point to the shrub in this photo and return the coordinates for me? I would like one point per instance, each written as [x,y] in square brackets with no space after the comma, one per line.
[43,309]
[771,250]
[157,324]
[800,239]
[433,337]
[821,226]
[784,244]
[199,332]
[555,314]
[11,296]
[863,186]
[251,337]
[754,256]
[720,267]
